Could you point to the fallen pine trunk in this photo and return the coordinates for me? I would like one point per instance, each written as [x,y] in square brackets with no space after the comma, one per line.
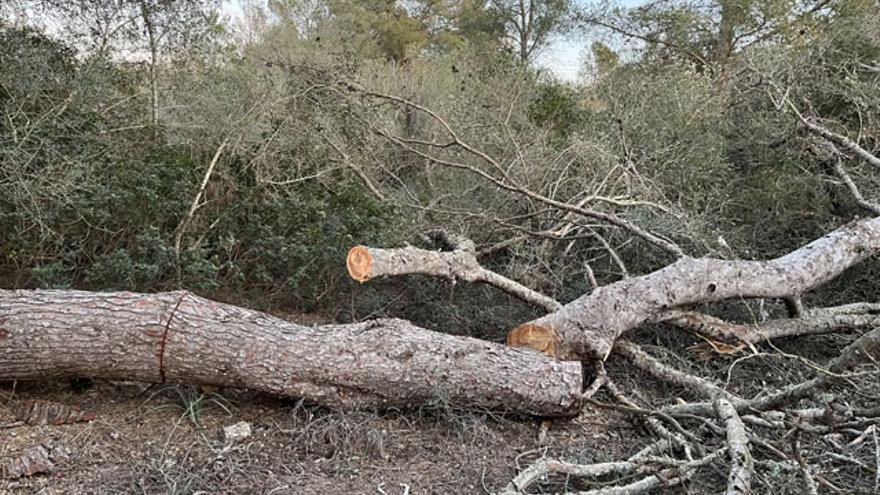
[178,337]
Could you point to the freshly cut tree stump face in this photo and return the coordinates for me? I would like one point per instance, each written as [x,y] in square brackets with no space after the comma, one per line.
[359,263]
[541,339]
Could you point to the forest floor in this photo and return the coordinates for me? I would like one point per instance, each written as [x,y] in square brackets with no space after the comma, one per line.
[144,441]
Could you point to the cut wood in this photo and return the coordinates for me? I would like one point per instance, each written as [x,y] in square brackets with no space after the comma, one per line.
[588,326]
[365,263]
[40,459]
[178,337]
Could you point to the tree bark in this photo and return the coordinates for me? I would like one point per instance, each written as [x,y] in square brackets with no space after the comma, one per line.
[588,326]
[146,16]
[365,263]
[182,338]
[731,13]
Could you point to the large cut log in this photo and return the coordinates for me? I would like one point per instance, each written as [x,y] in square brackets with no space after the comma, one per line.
[182,338]
[588,326]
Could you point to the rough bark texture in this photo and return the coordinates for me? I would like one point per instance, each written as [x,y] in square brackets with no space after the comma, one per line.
[588,326]
[179,337]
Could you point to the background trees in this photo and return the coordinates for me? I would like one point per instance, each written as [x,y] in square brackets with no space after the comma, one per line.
[683,132]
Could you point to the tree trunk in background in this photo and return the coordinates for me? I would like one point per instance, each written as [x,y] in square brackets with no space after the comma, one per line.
[181,338]
[731,13]
[146,15]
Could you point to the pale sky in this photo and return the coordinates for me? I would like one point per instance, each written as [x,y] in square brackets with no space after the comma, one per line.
[563,57]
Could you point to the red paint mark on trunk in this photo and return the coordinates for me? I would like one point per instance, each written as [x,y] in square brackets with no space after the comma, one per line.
[155,331]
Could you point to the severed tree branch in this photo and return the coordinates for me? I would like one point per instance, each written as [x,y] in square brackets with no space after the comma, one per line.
[814,322]
[365,263]
[588,326]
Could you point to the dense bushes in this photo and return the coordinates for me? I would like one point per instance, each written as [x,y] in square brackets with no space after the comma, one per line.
[92,196]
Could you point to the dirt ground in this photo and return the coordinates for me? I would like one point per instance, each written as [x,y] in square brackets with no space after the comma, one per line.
[144,441]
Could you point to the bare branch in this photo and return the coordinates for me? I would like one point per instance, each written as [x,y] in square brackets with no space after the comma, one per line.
[181,227]
[835,138]
[649,39]
[505,181]
[741,469]
[648,363]
[854,190]
[815,322]
[357,171]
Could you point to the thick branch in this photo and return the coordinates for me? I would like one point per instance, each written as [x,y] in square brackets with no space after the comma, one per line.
[182,338]
[589,325]
[815,322]
[365,263]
